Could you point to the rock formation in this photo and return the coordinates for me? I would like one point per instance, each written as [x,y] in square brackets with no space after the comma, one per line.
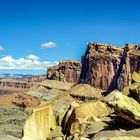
[108,67]
[40,123]
[103,66]
[14,84]
[48,89]
[127,107]
[37,78]
[66,71]
[85,92]
[84,115]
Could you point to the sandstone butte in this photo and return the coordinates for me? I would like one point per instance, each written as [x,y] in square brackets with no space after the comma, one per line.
[40,123]
[66,71]
[103,66]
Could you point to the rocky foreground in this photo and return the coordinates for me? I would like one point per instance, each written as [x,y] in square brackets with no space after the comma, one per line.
[98,99]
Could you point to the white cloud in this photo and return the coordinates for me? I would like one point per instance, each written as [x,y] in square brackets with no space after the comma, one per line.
[48,45]
[1,48]
[30,62]
[32,57]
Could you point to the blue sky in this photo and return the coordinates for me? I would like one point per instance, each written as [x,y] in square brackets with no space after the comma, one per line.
[41,32]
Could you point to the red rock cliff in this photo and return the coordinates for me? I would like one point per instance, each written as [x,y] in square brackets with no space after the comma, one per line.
[108,67]
[65,71]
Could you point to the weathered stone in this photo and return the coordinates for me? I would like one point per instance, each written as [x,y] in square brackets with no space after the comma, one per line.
[108,67]
[39,124]
[56,134]
[127,107]
[65,71]
[117,134]
[85,92]
[134,91]
[85,114]
[136,77]
[48,89]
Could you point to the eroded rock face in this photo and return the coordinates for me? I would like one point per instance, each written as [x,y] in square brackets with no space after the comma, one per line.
[66,71]
[126,107]
[85,92]
[83,115]
[108,67]
[39,124]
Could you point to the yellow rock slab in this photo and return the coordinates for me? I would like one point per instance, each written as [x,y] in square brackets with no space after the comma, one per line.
[38,125]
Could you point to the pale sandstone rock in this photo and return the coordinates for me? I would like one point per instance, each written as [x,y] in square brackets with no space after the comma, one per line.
[84,114]
[136,76]
[127,107]
[133,91]
[85,92]
[38,125]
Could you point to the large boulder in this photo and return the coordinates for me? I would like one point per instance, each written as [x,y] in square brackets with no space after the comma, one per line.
[126,107]
[85,92]
[133,91]
[48,89]
[40,123]
[136,77]
[83,115]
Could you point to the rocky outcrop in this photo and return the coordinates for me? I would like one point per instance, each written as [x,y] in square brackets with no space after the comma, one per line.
[85,92]
[40,123]
[103,66]
[108,67]
[37,78]
[134,92]
[20,84]
[136,77]
[66,71]
[83,115]
[126,107]
[14,84]
[48,89]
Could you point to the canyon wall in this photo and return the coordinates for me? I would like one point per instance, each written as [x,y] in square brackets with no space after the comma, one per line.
[103,66]
[108,67]
[37,78]
[13,84]
[66,71]
[20,84]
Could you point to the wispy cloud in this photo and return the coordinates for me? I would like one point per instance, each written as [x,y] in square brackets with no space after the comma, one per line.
[1,48]
[29,62]
[49,44]
[32,57]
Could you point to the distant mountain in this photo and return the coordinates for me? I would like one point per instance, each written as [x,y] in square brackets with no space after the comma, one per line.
[8,75]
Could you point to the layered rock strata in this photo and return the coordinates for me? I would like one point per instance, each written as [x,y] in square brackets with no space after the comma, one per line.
[66,71]
[108,67]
